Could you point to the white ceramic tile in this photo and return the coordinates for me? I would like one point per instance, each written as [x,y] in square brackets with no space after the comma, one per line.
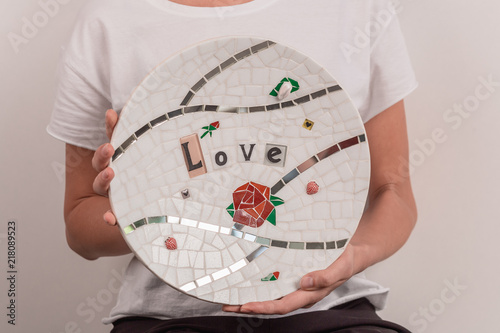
[213,260]
[208,248]
[235,278]
[222,297]
[184,275]
[137,201]
[247,295]
[233,296]
[183,259]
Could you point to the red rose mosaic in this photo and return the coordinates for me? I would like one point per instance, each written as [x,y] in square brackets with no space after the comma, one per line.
[210,128]
[253,204]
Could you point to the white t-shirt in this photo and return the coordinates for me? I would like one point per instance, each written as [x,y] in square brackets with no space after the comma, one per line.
[116,43]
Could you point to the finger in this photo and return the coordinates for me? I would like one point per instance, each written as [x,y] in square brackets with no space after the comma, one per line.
[111,120]
[110,218]
[289,303]
[101,157]
[102,181]
[231,308]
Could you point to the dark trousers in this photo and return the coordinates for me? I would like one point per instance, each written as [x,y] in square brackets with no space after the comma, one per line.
[354,317]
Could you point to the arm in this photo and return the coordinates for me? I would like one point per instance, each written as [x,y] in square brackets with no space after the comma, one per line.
[391,213]
[85,204]
[384,227]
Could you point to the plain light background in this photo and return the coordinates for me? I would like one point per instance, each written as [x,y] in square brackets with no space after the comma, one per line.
[443,280]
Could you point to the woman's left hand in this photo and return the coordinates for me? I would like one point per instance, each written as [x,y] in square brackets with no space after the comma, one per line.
[314,287]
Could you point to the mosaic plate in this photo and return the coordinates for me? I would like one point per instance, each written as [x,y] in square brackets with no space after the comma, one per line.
[241,165]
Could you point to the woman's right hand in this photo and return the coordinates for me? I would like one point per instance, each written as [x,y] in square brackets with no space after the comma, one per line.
[100,162]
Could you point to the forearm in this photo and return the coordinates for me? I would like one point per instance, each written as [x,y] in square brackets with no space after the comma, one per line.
[87,233]
[385,226]
[391,212]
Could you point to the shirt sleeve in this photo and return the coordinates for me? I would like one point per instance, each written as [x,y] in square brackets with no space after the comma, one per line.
[79,110]
[391,74]
[82,92]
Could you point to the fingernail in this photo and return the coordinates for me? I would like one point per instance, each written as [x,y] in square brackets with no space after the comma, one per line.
[243,310]
[307,282]
[109,149]
[107,222]
[105,174]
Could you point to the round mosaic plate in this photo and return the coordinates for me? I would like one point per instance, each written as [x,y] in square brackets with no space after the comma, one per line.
[241,165]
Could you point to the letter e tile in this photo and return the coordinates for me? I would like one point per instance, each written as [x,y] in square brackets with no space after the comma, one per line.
[275,155]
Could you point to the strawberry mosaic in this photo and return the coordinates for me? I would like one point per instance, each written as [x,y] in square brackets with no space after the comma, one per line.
[312,187]
[171,243]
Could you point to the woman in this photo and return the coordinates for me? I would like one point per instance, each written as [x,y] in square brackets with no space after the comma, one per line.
[116,43]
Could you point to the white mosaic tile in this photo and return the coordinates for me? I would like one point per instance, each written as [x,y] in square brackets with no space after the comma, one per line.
[232,225]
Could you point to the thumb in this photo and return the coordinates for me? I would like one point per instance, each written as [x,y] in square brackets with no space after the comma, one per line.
[307,282]
[333,276]
[111,120]
[320,279]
